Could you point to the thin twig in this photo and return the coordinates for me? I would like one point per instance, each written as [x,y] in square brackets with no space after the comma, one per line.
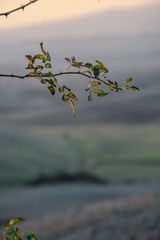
[17,9]
[86,75]
[14,76]
[57,74]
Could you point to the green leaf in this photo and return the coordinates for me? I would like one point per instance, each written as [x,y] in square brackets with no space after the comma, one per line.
[128,80]
[42,49]
[102,68]
[48,65]
[38,56]
[48,57]
[95,83]
[88,87]
[65,87]
[71,95]
[89,97]
[102,94]
[15,220]
[68,60]
[95,70]
[77,64]
[97,91]
[51,74]
[73,59]
[51,89]
[72,106]
[60,89]
[30,58]
[134,88]
[45,75]
[30,236]
[88,65]
[51,82]
[40,67]
[65,98]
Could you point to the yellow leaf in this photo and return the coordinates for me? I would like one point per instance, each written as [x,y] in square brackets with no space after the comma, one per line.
[72,106]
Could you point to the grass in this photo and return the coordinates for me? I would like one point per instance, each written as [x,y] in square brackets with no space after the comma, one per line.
[119,154]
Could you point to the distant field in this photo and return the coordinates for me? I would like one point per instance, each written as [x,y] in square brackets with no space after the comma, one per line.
[117,154]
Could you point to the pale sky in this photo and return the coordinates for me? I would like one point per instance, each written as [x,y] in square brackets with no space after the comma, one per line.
[49,10]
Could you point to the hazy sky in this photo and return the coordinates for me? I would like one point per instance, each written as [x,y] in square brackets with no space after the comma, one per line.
[46,10]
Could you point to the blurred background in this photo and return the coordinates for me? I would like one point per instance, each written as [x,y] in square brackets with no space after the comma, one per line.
[51,162]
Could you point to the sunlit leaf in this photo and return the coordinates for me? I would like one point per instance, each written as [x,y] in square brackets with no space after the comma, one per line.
[51,75]
[88,65]
[42,49]
[89,97]
[73,107]
[68,60]
[40,67]
[65,87]
[102,94]
[30,58]
[52,83]
[97,91]
[95,83]
[51,89]
[30,236]
[73,59]
[38,56]
[102,67]
[88,87]
[71,95]
[15,220]
[95,70]
[48,57]
[48,65]
[128,80]
[134,88]
[77,64]
[65,98]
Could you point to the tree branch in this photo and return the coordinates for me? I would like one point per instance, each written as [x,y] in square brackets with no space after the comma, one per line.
[55,75]
[19,8]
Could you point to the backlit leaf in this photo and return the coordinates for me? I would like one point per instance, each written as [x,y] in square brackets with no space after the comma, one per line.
[15,220]
[71,95]
[89,97]
[134,88]
[42,49]
[30,236]
[102,94]
[128,80]
[38,56]
[48,57]
[73,107]
[65,98]
[30,58]
[48,65]
[65,87]
[51,89]
[88,65]
[95,70]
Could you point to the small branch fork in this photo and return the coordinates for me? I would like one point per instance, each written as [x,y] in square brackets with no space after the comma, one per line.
[19,8]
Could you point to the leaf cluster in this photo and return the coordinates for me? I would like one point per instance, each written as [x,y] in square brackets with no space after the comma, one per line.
[11,232]
[96,74]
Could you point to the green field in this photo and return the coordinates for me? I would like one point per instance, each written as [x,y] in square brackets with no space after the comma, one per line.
[117,154]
